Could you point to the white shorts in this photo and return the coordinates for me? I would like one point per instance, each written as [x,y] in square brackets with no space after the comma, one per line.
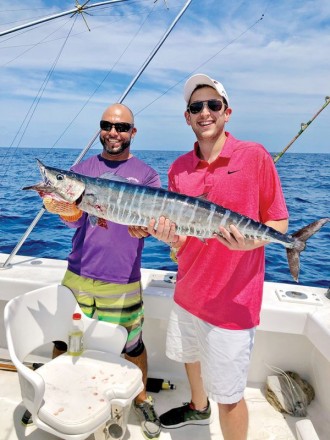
[224,354]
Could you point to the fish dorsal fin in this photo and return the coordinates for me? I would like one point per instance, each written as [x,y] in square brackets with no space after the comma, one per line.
[110,176]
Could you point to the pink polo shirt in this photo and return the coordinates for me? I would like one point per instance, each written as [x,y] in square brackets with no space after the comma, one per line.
[220,286]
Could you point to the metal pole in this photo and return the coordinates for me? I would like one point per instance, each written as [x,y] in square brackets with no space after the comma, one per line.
[6,264]
[153,53]
[137,76]
[303,128]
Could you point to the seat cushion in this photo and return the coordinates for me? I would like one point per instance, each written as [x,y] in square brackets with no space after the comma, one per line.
[79,390]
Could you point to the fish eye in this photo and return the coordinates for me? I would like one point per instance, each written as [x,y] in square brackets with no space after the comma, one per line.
[59,177]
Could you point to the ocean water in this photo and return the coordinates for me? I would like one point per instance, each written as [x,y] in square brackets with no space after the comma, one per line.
[306,184]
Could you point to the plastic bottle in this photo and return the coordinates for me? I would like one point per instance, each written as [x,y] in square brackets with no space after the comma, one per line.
[76,335]
[155,385]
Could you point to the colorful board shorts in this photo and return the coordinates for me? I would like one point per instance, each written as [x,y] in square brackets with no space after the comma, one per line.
[117,303]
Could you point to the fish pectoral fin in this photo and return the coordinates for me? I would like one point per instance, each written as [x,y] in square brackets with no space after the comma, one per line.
[93,219]
[97,221]
[39,187]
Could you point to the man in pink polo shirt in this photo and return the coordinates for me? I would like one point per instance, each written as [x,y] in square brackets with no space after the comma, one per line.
[219,285]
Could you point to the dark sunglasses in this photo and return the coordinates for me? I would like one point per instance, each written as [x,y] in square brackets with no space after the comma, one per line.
[213,104]
[119,126]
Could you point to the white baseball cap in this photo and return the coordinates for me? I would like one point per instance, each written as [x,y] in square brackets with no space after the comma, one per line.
[199,79]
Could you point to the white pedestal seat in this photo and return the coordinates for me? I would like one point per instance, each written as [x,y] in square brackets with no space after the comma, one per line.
[79,391]
[71,397]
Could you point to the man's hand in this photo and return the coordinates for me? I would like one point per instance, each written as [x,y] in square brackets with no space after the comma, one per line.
[138,231]
[165,231]
[234,240]
[67,211]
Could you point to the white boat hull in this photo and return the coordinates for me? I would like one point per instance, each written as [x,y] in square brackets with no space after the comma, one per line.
[294,334]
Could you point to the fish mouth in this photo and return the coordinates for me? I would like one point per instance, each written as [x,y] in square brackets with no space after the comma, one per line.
[71,191]
[44,186]
[40,187]
[45,190]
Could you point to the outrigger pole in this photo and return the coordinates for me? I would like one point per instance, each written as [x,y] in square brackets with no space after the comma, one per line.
[6,264]
[137,76]
[302,129]
[79,9]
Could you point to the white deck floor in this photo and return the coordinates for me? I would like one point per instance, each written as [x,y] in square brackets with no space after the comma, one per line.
[265,422]
[292,335]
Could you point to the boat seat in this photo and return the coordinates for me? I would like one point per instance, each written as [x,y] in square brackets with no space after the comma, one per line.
[71,397]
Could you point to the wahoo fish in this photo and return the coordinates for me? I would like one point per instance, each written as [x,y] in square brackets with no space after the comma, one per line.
[116,199]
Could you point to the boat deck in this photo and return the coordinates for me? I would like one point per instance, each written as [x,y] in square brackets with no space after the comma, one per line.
[265,422]
[293,335]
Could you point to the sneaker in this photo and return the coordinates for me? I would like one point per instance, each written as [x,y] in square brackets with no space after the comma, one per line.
[150,423]
[186,415]
[27,418]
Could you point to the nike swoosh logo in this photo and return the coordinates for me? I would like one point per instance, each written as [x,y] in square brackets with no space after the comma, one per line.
[235,171]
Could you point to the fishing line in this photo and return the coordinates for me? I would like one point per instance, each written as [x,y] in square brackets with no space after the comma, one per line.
[101,83]
[42,89]
[106,7]
[58,18]
[202,64]
[54,39]
[32,46]
[34,105]
[19,10]
[24,31]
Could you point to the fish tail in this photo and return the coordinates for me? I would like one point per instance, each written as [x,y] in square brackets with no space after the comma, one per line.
[301,237]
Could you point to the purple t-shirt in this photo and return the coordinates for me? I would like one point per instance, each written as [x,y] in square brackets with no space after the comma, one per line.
[111,254]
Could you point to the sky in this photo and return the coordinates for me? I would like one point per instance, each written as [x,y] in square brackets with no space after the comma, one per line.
[57,78]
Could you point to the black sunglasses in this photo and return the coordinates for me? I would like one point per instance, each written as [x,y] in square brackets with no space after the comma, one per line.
[119,126]
[213,104]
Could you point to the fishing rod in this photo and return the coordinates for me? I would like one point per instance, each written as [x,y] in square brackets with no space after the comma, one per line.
[6,264]
[302,129]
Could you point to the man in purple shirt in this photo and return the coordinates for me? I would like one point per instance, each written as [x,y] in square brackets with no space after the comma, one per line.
[104,265]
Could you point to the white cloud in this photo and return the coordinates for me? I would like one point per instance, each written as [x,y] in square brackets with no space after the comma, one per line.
[276,70]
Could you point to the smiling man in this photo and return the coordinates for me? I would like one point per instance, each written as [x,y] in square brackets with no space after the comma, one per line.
[104,265]
[218,293]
